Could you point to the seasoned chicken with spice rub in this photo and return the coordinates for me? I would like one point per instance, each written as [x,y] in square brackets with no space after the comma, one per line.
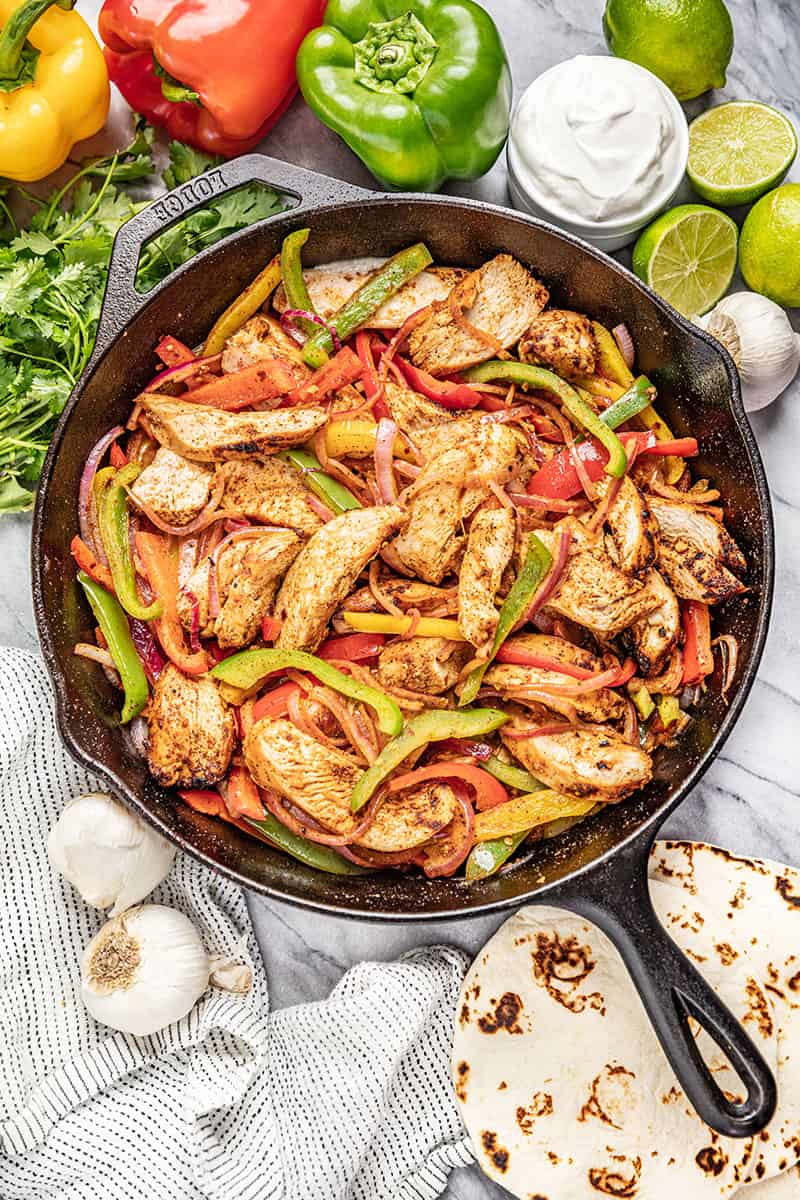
[562,340]
[172,488]
[430,601]
[422,664]
[192,731]
[490,546]
[519,682]
[499,302]
[631,526]
[593,591]
[248,574]
[696,554]
[326,569]
[213,435]
[261,338]
[320,779]
[591,763]
[268,490]
[447,491]
[653,638]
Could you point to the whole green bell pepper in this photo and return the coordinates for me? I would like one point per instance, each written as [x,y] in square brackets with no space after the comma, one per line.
[419,89]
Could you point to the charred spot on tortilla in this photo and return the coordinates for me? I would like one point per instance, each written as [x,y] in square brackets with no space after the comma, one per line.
[497,1154]
[541,1105]
[794,983]
[712,1160]
[597,1107]
[560,967]
[783,886]
[752,863]
[617,1182]
[506,1012]
[739,896]
[462,1070]
[759,1011]
[464,1015]
[726,953]
[502,1085]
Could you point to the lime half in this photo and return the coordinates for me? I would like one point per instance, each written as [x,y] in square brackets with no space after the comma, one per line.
[688,256]
[738,151]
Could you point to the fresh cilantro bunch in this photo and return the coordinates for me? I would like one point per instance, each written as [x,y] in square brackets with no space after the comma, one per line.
[53,276]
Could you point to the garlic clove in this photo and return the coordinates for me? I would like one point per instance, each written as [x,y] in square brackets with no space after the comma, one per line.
[107,853]
[229,975]
[758,335]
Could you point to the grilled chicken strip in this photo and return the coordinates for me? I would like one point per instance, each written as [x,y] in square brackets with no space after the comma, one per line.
[423,664]
[448,490]
[515,682]
[192,731]
[211,435]
[407,593]
[326,570]
[173,488]
[248,573]
[653,638]
[490,546]
[563,340]
[501,299]
[259,338]
[268,490]
[696,554]
[330,285]
[414,413]
[592,591]
[631,525]
[320,779]
[591,763]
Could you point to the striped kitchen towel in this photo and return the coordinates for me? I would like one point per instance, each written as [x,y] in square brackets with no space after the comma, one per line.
[349,1097]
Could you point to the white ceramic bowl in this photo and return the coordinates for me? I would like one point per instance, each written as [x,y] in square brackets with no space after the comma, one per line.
[609,234]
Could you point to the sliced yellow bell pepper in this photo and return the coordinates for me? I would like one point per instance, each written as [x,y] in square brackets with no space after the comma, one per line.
[356,439]
[525,813]
[53,86]
[243,307]
[384,623]
[596,385]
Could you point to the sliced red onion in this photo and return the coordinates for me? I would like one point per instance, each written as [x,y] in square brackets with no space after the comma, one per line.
[622,336]
[322,511]
[147,648]
[95,654]
[87,480]
[518,735]
[550,581]
[458,840]
[185,371]
[139,734]
[210,512]
[384,471]
[290,316]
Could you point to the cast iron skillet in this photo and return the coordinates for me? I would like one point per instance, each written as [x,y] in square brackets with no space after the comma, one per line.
[599,869]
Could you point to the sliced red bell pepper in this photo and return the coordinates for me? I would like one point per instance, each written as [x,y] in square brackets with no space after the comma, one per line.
[203,800]
[270,628]
[352,647]
[369,374]
[274,703]
[509,653]
[698,657]
[173,352]
[88,562]
[443,391]
[117,456]
[345,367]
[159,558]
[487,790]
[242,798]
[265,380]
[558,478]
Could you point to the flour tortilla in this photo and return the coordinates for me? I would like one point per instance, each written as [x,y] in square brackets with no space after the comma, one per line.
[563,1087]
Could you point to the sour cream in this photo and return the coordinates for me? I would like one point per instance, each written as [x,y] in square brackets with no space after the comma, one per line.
[598,140]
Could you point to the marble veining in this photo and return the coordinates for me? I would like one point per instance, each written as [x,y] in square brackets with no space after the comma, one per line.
[750,799]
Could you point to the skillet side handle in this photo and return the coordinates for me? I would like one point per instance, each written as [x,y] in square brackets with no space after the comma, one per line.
[121,301]
[615,897]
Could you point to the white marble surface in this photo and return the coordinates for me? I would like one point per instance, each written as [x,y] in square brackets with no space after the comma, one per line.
[750,798]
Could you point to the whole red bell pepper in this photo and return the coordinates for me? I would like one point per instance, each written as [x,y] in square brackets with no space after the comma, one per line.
[215,73]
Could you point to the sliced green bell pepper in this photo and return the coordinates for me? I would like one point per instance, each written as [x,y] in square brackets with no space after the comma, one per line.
[514,777]
[485,858]
[538,562]
[329,490]
[529,375]
[246,669]
[114,625]
[294,283]
[420,90]
[429,726]
[323,858]
[399,270]
[112,518]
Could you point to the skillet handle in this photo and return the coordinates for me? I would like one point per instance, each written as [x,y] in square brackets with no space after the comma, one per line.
[614,895]
[121,301]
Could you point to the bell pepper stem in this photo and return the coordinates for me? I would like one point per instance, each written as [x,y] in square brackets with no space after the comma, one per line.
[16,29]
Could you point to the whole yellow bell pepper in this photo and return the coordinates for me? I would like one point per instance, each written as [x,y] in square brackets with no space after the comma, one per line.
[53,86]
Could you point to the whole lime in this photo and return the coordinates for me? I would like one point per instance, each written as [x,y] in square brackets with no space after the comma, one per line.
[687,43]
[769,249]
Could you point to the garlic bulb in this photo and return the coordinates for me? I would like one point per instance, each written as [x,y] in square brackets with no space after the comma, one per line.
[108,853]
[144,969]
[757,334]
